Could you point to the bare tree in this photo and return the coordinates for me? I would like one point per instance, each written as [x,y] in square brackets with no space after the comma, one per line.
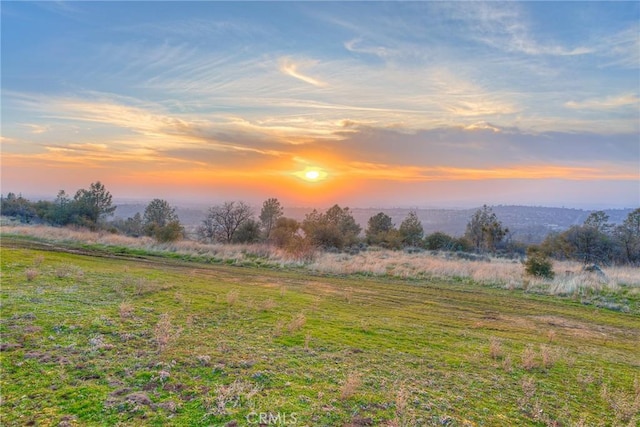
[222,221]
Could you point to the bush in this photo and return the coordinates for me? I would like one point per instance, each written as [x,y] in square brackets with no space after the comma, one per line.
[169,233]
[538,264]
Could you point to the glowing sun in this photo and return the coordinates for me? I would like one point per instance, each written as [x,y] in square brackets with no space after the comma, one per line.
[311,174]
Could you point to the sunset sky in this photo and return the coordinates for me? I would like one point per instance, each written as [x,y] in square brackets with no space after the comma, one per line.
[419,104]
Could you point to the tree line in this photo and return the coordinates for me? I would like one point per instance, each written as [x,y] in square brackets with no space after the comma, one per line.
[595,241]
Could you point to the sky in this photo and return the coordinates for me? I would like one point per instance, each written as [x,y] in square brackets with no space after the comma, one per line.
[365,104]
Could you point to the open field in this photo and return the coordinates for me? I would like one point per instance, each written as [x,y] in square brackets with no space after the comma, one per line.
[93,338]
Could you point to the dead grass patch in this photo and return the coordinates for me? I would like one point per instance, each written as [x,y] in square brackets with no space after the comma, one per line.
[125,309]
[350,386]
[495,348]
[31,274]
[529,358]
[232,297]
[164,332]
[297,323]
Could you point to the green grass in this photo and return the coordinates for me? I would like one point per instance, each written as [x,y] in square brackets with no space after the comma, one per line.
[100,338]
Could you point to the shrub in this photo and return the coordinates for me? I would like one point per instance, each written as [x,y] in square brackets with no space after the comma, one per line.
[538,263]
[169,233]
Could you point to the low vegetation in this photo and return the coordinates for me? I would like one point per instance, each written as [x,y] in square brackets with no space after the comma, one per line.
[126,338]
[614,287]
[596,241]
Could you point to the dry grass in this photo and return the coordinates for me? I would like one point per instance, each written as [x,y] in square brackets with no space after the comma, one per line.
[569,280]
[232,297]
[528,385]
[268,305]
[125,309]
[164,332]
[307,340]
[625,406]
[297,323]
[233,395]
[31,274]
[529,358]
[495,348]
[507,365]
[350,386]
[549,356]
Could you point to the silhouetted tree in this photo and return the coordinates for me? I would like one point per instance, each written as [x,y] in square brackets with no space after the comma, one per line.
[271,211]
[284,230]
[222,221]
[61,211]
[628,236]
[92,205]
[335,228]
[161,221]
[442,241]
[377,226]
[411,230]
[248,232]
[18,207]
[132,226]
[484,230]
[598,220]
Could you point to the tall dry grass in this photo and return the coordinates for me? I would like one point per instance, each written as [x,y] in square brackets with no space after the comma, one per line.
[570,279]
[235,252]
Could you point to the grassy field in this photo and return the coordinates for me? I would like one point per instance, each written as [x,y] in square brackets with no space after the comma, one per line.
[91,338]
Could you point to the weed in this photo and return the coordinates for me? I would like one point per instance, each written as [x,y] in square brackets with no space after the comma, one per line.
[350,385]
[401,402]
[268,305]
[549,356]
[164,376]
[238,393]
[507,365]
[307,340]
[125,309]
[277,329]
[551,335]
[495,348]
[204,359]
[164,332]
[625,406]
[348,295]
[232,297]
[224,347]
[67,271]
[528,358]
[528,385]
[297,323]
[31,274]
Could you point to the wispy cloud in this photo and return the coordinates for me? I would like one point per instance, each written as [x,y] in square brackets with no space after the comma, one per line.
[608,103]
[504,26]
[291,68]
[621,49]
[383,171]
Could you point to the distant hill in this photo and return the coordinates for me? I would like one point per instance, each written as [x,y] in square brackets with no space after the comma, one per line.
[528,224]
